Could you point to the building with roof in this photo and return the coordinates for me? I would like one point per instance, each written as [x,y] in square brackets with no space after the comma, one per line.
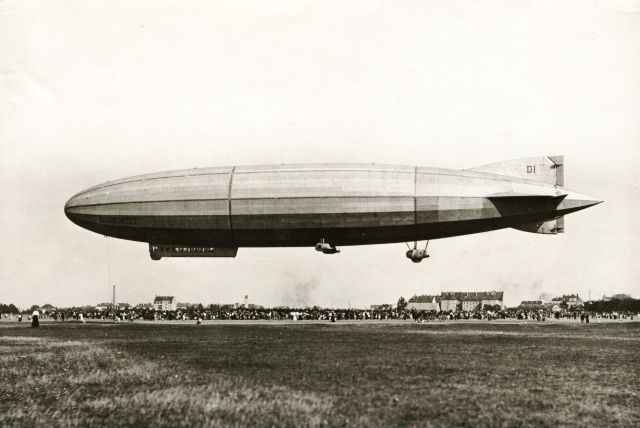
[381,307]
[534,305]
[424,303]
[426,306]
[471,303]
[165,303]
[531,303]
[570,300]
[450,301]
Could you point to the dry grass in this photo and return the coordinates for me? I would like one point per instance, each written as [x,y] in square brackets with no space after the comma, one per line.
[320,374]
[79,383]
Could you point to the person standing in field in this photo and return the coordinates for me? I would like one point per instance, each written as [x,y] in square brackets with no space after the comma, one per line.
[34,319]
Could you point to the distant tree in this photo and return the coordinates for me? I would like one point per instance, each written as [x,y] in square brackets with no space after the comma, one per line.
[9,309]
[33,308]
[402,304]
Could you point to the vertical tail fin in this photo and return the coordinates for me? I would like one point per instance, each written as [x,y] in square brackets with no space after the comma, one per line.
[545,169]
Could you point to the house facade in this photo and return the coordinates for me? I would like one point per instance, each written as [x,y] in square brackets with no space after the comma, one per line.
[570,300]
[470,300]
[424,303]
[165,303]
[449,301]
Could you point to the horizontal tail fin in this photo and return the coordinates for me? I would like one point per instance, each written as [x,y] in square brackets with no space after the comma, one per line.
[545,169]
[555,195]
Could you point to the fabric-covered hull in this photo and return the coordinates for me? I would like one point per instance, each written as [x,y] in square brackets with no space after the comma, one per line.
[299,205]
[289,236]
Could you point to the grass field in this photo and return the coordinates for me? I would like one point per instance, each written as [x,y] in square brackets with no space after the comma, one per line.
[320,374]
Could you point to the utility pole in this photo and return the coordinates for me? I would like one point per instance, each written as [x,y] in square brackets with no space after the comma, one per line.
[114,302]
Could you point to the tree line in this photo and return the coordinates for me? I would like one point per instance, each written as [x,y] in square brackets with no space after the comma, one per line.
[614,305]
[8,309]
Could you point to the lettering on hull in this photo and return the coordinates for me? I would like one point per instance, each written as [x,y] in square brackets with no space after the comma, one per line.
[117,220]
[158,251]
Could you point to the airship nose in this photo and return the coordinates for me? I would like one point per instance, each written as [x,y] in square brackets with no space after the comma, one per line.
[71,209]
[67,208]
[87,210]
[84,208]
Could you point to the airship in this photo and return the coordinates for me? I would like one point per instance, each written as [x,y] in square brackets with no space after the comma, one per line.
[211,212]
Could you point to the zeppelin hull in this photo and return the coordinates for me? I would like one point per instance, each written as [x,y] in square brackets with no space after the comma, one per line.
[194,231]
[298,205]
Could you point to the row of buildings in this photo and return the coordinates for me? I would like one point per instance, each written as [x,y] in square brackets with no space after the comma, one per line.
[448,301]
[476,300]
[566,301]
[454,301]
[160,303]
[167,303]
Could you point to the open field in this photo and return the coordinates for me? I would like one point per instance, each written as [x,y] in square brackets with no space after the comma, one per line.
[320,374]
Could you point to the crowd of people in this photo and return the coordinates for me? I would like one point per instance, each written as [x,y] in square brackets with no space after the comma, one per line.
[316,313]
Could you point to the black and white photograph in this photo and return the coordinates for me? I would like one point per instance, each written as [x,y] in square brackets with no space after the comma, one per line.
[319,213]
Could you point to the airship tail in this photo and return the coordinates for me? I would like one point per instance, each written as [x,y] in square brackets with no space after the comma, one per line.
[544,169]
[557,201]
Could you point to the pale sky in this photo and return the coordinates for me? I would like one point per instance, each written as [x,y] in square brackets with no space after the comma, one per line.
[92,91]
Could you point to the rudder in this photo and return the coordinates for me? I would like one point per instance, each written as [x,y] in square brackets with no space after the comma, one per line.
[545,169]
